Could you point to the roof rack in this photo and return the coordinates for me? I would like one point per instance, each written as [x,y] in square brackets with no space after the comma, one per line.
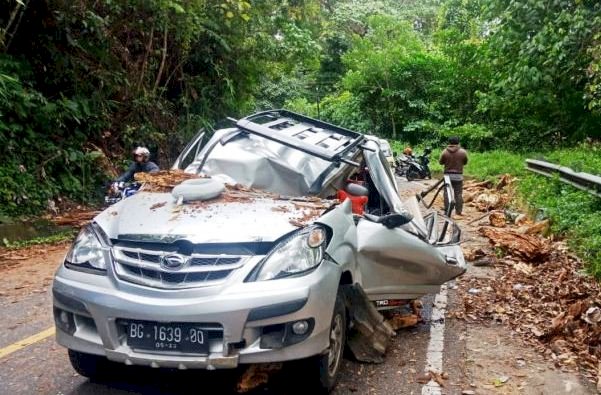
[324,140]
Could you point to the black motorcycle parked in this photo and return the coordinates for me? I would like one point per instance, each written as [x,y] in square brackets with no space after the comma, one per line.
[414,168]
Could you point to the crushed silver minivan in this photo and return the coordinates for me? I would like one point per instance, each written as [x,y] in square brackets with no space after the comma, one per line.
[243,263]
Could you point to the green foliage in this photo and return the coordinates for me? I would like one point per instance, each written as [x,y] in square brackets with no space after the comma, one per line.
[574,214]
[489,165]
[52,239]
[80,81]
[545,63]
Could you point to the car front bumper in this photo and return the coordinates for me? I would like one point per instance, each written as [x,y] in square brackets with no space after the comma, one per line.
[96,304]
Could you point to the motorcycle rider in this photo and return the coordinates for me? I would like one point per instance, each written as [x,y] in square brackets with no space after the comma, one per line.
[141,164]
[453,158]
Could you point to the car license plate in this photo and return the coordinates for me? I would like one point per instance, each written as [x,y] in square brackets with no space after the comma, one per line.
[159,336]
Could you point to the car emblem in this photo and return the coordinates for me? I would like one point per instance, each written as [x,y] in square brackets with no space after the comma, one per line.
[173,262]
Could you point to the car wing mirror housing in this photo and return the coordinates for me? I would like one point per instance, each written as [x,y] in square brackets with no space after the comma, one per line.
[390,221]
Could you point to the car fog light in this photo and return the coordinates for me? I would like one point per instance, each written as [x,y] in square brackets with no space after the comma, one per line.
[64,320]
[300,327]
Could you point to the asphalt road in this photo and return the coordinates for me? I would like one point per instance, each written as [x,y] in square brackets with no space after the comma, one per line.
[42,367]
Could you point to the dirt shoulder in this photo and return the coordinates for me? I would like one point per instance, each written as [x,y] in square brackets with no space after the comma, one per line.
[530,314]
[29,270]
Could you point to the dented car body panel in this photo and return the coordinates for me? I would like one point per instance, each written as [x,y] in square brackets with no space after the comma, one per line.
[225,266]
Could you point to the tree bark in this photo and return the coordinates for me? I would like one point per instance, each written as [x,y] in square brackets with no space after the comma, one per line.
[163,59]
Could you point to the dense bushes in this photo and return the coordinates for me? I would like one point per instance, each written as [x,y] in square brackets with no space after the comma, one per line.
[88,80]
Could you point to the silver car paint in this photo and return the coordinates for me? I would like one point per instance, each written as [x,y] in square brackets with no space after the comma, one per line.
[388,263]
[261,219]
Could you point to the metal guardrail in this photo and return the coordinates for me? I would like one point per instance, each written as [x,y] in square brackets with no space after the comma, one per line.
[584,181]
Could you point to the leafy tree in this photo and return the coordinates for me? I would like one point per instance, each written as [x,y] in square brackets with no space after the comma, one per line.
[544,60]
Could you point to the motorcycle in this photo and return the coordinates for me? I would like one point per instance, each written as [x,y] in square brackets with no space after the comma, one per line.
[121,190]
[414,168]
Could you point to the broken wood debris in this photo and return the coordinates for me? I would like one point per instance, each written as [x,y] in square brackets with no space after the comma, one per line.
[163,181]
[497,219]
[370,334]
[528,247]
[549,303]
[76,219]
[256,375]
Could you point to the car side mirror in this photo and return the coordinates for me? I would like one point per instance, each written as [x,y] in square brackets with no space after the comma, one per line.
[390,221]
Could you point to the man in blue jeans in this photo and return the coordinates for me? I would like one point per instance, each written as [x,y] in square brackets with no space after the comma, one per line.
[453,159]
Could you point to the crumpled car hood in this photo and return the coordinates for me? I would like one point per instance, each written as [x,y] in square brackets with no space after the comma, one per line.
[155,216]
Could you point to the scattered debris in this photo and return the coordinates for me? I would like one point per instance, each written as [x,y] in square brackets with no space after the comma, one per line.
[157,205]
[256,375]
[485,261]
[497,219]
[500,381]
[538,228]
[162,181]
[473,254]
[540,291]
[369,338]
[76,219]
[524,246]
[550,304]
[439,378]
[592,315]
[399,321]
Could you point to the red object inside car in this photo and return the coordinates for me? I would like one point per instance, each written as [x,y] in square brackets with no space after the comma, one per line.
[358,202]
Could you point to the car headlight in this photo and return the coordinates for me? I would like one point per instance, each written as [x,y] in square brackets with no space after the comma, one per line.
[299,253]
[87,253]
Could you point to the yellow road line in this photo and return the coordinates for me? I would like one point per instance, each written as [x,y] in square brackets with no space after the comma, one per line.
[21,344]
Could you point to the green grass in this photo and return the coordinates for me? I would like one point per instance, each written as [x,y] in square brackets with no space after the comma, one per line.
[52,239]
[574,214]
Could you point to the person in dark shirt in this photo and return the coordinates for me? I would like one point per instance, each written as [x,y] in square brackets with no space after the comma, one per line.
[453,159]
[141,164]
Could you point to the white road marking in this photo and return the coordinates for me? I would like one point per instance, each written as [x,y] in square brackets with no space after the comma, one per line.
[436,344]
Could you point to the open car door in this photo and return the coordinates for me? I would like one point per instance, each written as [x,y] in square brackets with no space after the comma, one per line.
[404,260]
[397,264]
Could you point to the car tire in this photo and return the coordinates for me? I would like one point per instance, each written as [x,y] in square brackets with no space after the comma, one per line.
[412,175]
[88,365]
[328,364]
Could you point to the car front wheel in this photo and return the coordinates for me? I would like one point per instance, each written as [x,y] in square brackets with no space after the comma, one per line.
[88,365]
[329,363]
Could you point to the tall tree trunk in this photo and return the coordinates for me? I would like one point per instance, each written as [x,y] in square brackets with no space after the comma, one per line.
[162,66]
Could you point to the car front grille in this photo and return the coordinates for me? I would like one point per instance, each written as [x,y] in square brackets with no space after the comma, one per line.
[147,267]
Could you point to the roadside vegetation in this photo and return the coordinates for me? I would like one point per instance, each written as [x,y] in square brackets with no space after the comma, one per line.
[574,214]
[63,236]
[82,83]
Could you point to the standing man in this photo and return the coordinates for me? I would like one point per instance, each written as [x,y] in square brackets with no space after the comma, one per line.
[453,159]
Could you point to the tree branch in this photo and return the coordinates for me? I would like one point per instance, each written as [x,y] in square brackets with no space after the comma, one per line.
[162,66]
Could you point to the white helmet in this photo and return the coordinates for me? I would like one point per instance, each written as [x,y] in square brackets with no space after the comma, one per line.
[142,151]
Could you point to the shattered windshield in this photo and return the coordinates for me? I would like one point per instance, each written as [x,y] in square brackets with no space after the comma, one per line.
[259,163]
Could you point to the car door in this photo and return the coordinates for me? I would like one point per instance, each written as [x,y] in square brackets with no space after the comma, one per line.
[407,261]
[398,264]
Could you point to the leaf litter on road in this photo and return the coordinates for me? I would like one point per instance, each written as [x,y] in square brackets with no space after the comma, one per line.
[540,291]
